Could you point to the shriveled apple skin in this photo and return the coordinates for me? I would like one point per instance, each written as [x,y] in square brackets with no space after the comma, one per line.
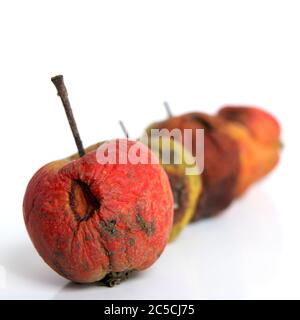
[262,125]
[221,161]
[127,229]
[257,133]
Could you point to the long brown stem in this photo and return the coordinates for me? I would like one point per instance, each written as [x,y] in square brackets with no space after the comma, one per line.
[62,92]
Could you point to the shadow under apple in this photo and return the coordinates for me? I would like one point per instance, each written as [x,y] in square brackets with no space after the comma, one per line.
[22,260]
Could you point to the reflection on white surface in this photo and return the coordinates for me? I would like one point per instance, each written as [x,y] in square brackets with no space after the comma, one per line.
[230,256]
[2,277]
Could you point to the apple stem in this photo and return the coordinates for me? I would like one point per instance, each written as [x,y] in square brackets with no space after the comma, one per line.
[124,129]
[168,109]
[62,92]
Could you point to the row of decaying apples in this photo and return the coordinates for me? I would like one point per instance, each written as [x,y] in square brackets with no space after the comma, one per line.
[242,144]
[91,221]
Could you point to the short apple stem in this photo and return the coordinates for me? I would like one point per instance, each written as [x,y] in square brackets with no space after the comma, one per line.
[168,109]
[62,92]
[124,129]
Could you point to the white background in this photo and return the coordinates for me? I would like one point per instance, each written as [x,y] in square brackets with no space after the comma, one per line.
[121,60]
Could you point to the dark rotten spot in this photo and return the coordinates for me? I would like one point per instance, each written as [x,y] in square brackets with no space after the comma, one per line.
[180,194]
[109,227]
[131,242]
[148,229]
[58,254]
[202,121]
[87,237]
[59,269]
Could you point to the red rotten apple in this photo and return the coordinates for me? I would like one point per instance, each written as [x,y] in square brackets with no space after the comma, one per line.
[257,133]
[91,221]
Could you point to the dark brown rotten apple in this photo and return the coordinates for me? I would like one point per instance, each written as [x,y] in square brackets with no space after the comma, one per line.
[221,160]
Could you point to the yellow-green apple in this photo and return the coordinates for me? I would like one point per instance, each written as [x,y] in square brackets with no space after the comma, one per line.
[183,175]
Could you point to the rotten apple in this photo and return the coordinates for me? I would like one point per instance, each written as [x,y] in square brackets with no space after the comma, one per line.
[257,134]
[221,160]
[91,221]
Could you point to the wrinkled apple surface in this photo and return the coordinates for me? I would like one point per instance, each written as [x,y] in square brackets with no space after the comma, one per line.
[221,161]
[257,134]
[89,220]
